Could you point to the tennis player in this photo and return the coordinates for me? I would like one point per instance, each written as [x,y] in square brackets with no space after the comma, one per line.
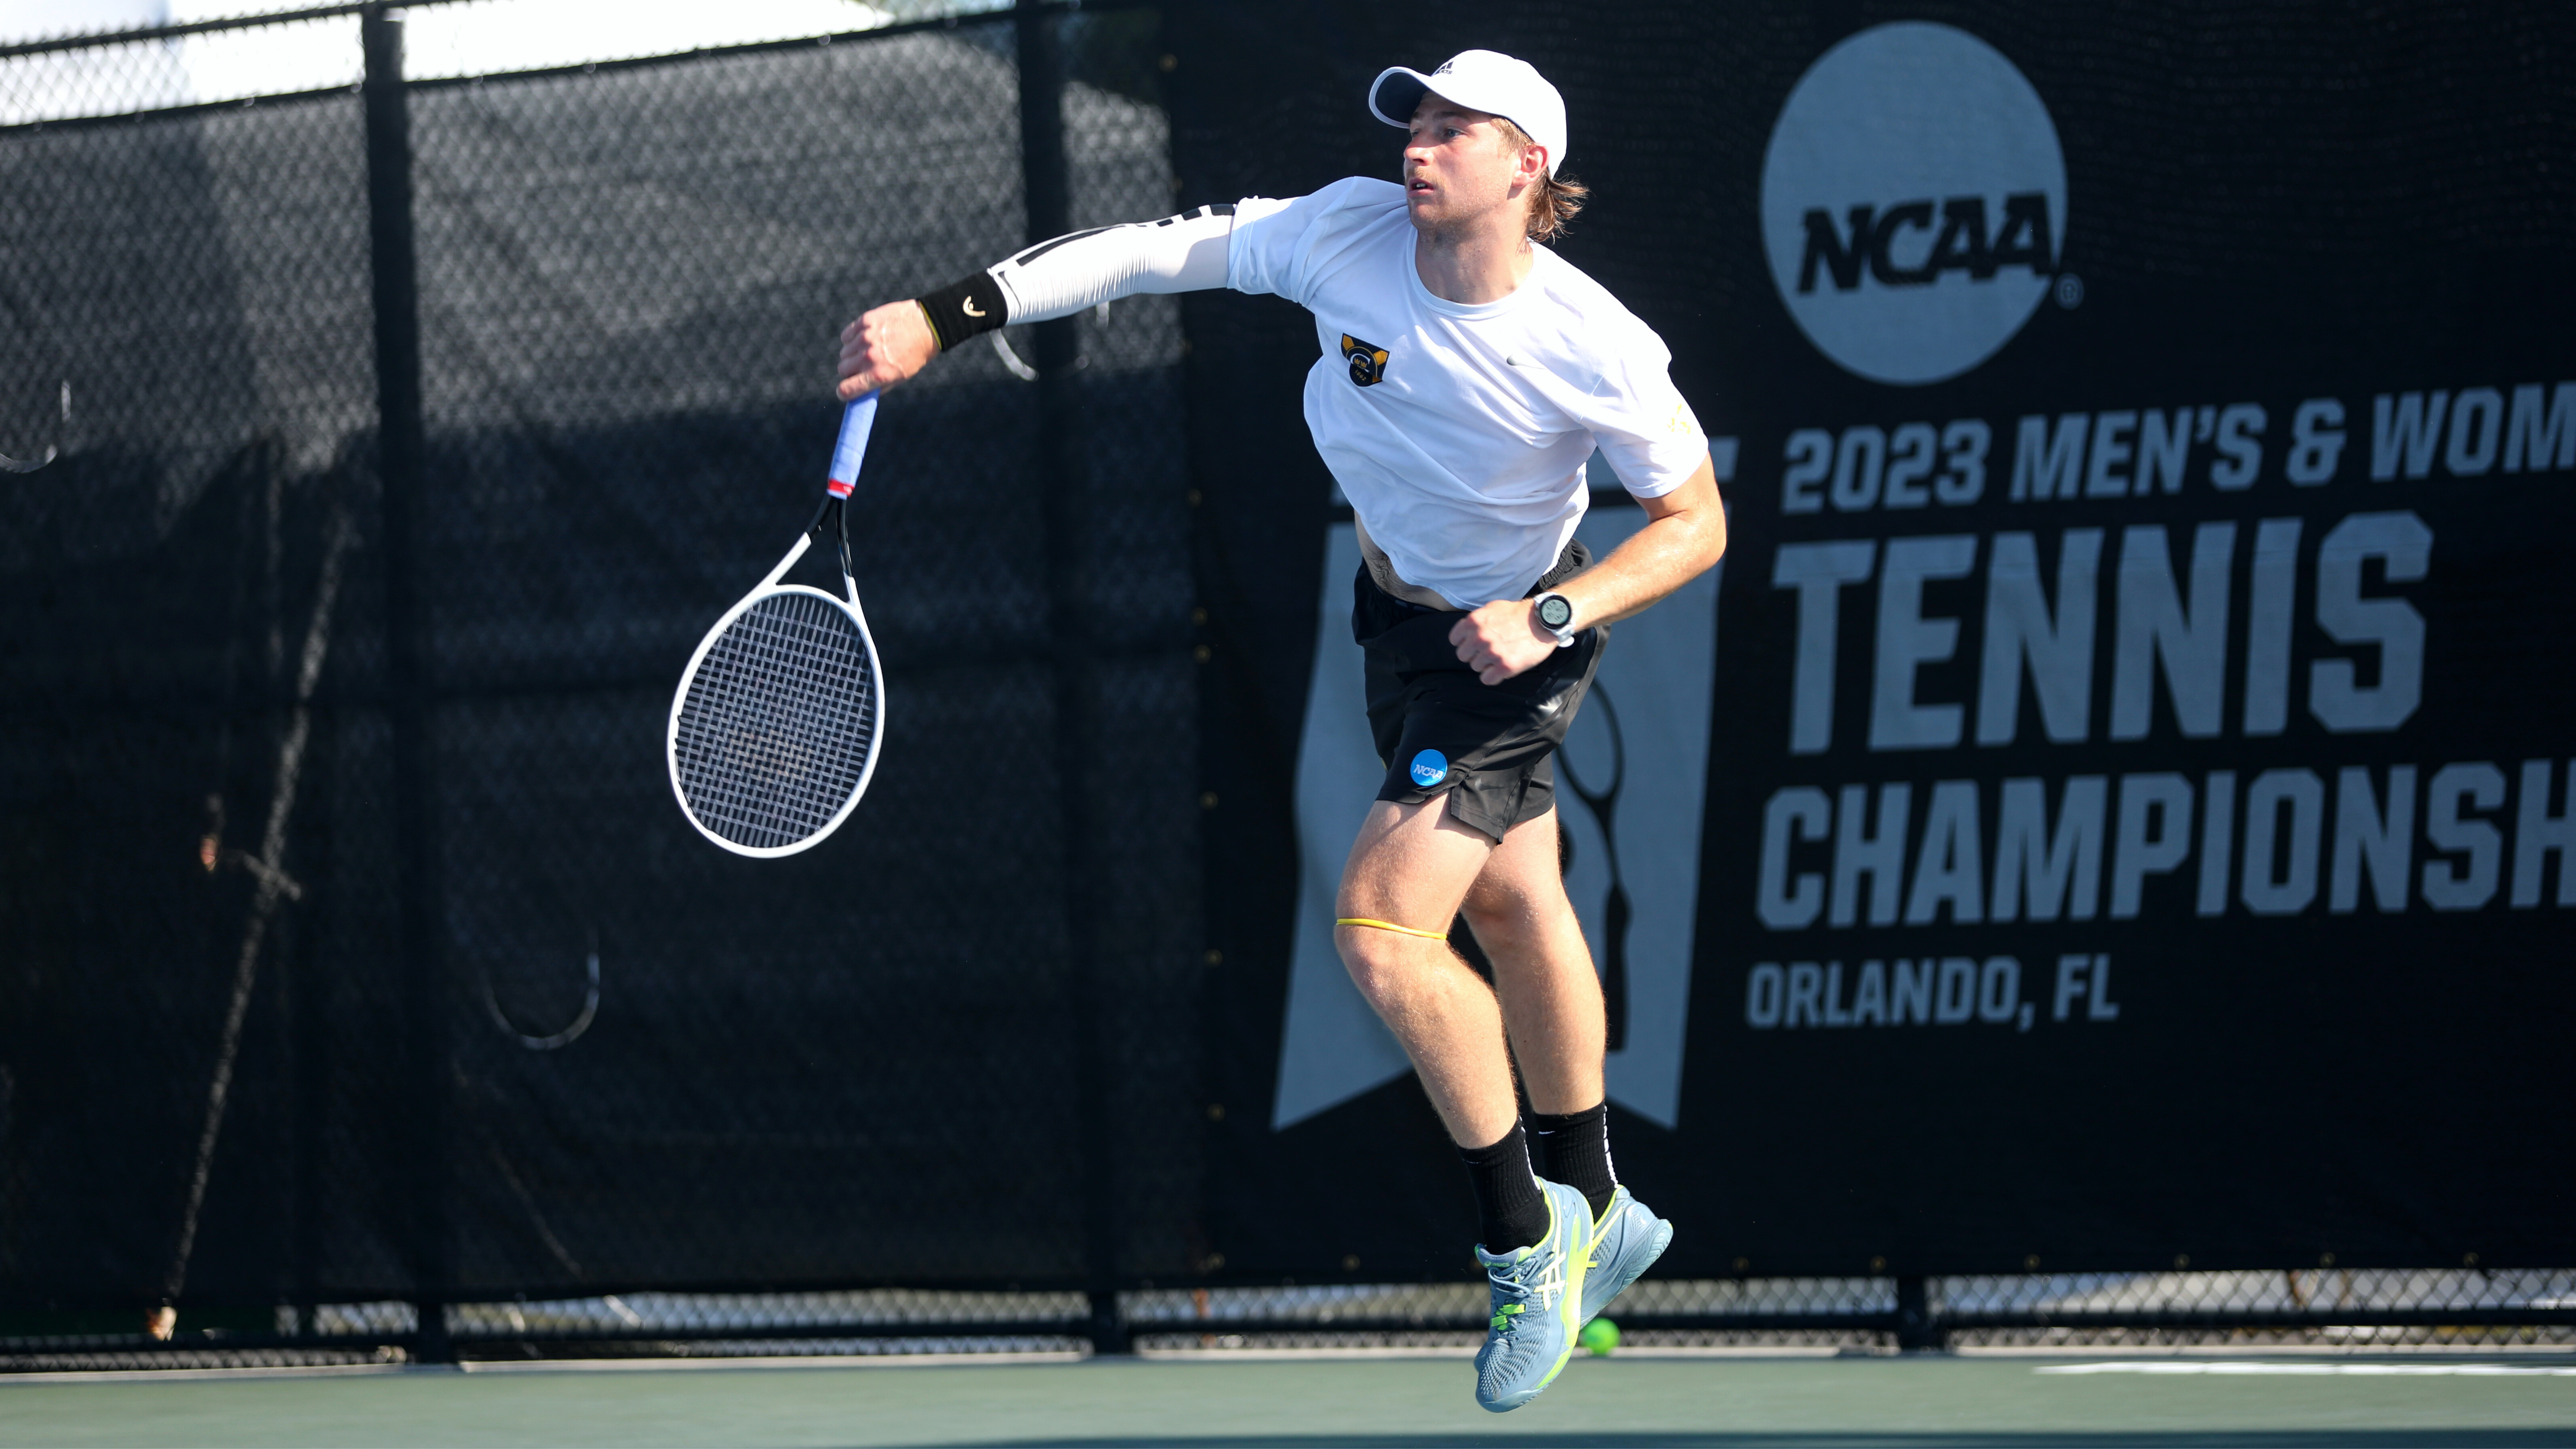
[1466,377]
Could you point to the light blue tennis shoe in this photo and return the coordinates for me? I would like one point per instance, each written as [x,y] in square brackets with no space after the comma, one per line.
[1537,1294]
[1626,1241]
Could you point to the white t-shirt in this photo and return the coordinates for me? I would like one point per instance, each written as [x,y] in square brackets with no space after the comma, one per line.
[1463,451]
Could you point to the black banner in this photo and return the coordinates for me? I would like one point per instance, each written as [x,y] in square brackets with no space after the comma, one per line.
[2116,809]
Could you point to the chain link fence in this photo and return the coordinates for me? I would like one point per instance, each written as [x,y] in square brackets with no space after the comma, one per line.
[662,1069]
[2304,1312]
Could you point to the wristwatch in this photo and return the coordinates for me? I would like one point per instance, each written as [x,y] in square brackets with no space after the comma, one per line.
[1555,613]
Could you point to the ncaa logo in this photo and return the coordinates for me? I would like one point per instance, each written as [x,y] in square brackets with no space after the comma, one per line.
[1913,198]
[1430,768]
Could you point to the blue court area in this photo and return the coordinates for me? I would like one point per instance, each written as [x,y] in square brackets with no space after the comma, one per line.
[1858,1403]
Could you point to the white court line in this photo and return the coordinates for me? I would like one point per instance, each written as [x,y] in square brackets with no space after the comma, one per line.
[2386,1370]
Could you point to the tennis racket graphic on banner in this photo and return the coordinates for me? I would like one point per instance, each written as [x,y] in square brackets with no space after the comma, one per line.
[774,731]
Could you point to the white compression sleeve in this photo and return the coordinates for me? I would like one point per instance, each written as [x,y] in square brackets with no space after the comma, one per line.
[1058,278]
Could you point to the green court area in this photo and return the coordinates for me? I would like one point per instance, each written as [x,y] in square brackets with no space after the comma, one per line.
[1628,1403]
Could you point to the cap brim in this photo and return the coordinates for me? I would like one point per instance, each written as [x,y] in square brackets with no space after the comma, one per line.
[1398,90]
[1394,94]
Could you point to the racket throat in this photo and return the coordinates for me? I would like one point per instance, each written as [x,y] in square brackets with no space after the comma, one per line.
[831,525]
[828,517]
[804,541]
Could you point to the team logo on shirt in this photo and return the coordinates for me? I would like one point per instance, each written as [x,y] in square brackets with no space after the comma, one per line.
[1367,359]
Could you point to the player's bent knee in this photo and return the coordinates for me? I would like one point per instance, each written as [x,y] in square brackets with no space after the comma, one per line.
[1489,922]
[1379,960]
[1514,903]
[1372,973]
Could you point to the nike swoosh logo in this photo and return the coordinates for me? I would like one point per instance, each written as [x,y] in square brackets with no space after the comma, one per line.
[971,309]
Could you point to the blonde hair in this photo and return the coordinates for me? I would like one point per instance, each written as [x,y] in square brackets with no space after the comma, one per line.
[1555,200]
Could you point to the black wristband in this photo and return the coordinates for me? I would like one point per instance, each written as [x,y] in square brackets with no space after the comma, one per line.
[964,308]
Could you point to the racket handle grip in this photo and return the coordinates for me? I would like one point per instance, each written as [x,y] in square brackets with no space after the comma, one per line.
[857,421]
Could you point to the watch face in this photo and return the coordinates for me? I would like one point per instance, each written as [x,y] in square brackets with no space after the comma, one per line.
[1555,612]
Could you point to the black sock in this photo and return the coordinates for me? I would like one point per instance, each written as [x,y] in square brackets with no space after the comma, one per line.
[1513,1212]
[1577,1151]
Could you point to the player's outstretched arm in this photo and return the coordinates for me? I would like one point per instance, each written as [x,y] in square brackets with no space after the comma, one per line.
[1185,253]
[1684,536]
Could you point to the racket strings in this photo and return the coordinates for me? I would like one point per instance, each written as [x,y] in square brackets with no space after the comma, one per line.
[774,735]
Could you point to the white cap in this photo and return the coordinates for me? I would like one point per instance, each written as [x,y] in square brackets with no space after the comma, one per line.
[1480,80]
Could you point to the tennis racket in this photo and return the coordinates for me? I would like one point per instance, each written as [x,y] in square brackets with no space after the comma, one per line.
[774,731]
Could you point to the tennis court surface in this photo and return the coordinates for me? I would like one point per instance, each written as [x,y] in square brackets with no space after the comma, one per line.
[1851,1403]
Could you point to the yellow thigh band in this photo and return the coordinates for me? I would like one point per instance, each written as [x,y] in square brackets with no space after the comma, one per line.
[1391,926]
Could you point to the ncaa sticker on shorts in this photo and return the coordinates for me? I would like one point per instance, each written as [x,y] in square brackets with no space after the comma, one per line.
[1430,768]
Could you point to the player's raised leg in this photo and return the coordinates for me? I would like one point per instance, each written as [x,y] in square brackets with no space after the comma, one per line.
[1552,1010]
[1551,997]
[1409,870]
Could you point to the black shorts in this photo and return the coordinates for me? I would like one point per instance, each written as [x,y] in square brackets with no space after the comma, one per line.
[1440,728]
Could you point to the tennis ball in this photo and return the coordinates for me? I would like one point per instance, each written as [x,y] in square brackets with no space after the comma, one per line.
[1599,1337]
